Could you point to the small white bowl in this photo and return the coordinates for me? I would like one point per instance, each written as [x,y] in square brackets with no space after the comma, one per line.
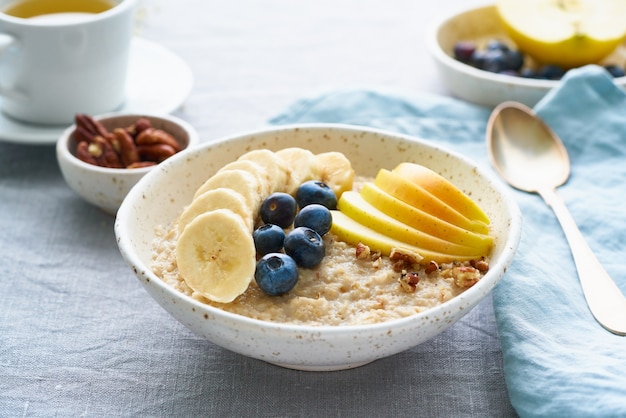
[107,187]
[483,87]
[161,195]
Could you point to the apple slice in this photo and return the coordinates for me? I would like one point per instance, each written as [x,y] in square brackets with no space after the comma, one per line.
[442,188]
[352,232]
[421,220]
[354,206]
[416,196]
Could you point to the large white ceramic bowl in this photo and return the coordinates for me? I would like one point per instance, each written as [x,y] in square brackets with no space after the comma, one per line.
[107,187]
[483,87]
[160,196]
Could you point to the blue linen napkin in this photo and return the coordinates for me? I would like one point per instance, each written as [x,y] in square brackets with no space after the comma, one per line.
[558,361]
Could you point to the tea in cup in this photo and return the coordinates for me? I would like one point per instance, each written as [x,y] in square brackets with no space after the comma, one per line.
[63,57]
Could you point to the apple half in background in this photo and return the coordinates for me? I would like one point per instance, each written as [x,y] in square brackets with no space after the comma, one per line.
[568,33]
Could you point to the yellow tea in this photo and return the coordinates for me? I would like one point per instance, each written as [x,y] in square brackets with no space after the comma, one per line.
[33,8]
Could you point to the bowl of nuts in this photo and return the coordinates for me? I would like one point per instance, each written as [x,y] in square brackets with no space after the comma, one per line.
[102,157]
[479,62]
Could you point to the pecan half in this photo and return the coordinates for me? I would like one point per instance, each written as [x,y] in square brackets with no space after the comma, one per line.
[141,125]
[109,157]
[90,125]
[127,148]
[83,154]
[155,152]
[152,136]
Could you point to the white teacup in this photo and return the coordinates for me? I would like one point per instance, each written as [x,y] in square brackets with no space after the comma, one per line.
[55,65]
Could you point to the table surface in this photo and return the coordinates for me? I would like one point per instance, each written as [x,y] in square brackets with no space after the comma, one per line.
[78,334]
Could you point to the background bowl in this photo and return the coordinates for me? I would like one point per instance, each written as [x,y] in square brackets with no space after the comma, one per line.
[107,187]
[483,87]
[161,195]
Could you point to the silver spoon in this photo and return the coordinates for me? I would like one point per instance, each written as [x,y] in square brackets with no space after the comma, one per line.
[530,157]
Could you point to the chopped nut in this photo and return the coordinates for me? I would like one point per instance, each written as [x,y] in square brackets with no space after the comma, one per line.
[404,254]
[377,263]
[431,267]
[362,251]
[465,276]
[408,281]
[403,258]
[481,265]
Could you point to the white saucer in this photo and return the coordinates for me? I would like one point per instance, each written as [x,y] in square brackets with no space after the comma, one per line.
[150,65]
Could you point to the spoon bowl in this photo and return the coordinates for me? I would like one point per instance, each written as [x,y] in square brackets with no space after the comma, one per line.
[524,150]
[532,158]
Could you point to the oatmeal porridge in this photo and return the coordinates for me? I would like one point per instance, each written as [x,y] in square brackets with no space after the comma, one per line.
[342,290]
[352,286]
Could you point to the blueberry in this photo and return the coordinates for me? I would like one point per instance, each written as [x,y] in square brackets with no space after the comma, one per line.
[551,72]
[478,59]
[615,71]
[279,209]
[276,273]
[514,60]
[463,50]
[305,246]
[528,73]
[268,238]
[314,216]
[315,191]
[494,61]
[497,45]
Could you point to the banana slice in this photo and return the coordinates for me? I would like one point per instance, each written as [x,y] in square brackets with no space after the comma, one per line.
[259,171]
[277,172]
[216,255]
[243,182]
[334,169]
[220,198]
[302,163]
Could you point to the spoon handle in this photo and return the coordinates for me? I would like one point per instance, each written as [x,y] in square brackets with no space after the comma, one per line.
[605,300]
